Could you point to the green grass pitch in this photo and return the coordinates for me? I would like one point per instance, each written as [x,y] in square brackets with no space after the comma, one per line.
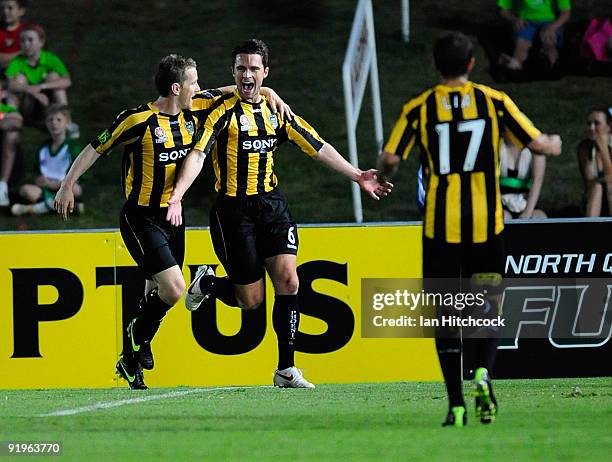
[556,419]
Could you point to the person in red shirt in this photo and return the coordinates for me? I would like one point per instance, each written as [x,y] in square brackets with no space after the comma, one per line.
[11,13]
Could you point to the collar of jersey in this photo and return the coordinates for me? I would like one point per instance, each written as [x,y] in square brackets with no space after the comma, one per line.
[465,88]
[157,111]
[262,99]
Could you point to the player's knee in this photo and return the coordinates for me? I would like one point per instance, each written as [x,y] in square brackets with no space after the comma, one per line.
[289,284]
[171,293]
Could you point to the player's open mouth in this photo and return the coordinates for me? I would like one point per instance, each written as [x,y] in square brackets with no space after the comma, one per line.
[248,86]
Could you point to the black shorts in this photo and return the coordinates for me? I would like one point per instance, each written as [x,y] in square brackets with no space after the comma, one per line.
[444,260]
[152,241]
[448,269]
[246,231]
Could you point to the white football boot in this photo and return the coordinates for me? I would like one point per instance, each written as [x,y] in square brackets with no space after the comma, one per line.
[194,295]
[291,378]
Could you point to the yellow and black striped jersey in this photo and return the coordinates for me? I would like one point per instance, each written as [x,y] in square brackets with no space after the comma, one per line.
[243,137]
[155,147]
[458,130]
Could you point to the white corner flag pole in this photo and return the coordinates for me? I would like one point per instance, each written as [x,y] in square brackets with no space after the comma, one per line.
[406,20]
[359,61]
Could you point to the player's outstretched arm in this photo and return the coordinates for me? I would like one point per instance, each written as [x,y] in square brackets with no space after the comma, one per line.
[549,145]
[64,199]
[189,172]
[367,180]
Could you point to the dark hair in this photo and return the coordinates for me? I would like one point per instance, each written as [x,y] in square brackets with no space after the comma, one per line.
[20,3]
[606,113]
[252,47]
[36,28]
[452,54]
[57,108]
[171,70]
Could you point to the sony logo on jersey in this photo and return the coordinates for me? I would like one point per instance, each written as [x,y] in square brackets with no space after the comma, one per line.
[172,155]
[259,145]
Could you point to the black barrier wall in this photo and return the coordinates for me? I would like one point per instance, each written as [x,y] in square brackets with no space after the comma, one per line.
[556,250]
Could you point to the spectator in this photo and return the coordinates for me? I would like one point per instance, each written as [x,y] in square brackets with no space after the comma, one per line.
[532,20]
[10,124]
[53,161]
[594,159]
[522,175]
[38,77]
[11,12]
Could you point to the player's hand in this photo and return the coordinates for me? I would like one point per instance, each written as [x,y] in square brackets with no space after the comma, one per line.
[369,182]
[64,201]
[175,211]
[279,106]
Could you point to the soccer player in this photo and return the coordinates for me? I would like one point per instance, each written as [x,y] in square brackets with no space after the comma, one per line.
[157,136]
[458,125]
[251,227]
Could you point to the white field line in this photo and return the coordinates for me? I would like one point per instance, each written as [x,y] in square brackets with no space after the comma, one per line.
[143,399]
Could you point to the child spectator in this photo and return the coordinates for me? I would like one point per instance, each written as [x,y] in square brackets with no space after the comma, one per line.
[37,76]
[11,13]
[10,125]
[595,161]
[522,175]
[532,20]
[54,159]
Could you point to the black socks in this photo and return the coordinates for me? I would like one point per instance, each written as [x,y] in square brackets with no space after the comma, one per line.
[286,319]
[153,311]
[449,353]
[223,289]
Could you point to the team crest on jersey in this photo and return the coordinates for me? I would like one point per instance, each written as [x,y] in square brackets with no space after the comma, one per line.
[160,134]
[273,120]
[245,124]
[189,127]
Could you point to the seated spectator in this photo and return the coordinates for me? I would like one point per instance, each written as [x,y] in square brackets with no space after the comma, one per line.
[595,162]
[534,21]
[10,125]
[11,13]
[53,161]
[522,175]
[37,76]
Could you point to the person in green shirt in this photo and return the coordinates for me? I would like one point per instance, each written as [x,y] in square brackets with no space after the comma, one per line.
[10,126]
[531,19]
[38,77]
[53,160]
